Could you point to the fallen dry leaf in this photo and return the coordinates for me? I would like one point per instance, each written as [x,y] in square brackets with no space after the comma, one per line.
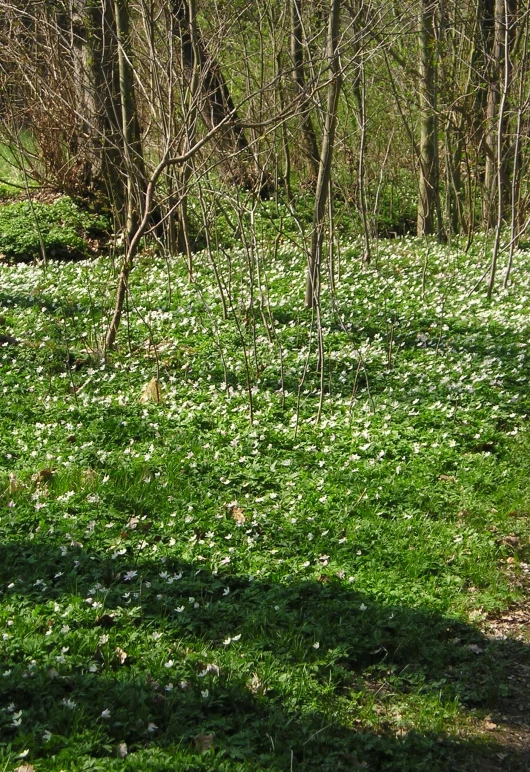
[238,516]
[255,685]
[447,478]
[203,742]
[121,655]
[89,476]
[43,476]
[25,768]
[14,485]
[152,391]
[511,541]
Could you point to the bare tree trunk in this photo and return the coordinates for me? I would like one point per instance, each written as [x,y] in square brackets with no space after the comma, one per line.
[191,121]
[132,146]
[456,27]
[297,55]
[95,69]
[453,193]
[500,177]
[495,69]
[216,103]
[134,163]
[312,293]
[429,219]
[515,202]
[90,124]
[360,98]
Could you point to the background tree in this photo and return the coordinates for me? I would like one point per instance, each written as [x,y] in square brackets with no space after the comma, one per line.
[429,216]
[430,138]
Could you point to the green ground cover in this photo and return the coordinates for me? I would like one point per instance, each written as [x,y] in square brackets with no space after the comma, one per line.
[30,230]
[44,225]
[184,590]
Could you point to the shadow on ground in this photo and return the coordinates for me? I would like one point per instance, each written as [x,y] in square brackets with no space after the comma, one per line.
[368,652]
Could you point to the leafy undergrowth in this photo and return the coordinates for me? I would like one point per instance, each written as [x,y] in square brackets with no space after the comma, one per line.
[30,230]
[182,589]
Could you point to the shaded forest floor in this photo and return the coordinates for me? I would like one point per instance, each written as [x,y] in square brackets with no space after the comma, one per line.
[509,718]
[184,589]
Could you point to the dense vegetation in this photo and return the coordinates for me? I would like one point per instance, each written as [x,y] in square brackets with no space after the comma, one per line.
[185,589]
[264,451]
[30,230]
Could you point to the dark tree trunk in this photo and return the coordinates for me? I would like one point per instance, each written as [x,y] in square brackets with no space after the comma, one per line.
[133,169]
[96,81]
[496,124]
[216,103]
[429,216]
[297,55]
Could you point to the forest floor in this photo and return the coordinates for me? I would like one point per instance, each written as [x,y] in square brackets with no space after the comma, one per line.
[509,718]
[210,563]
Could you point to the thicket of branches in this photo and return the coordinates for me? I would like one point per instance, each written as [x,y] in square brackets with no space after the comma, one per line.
[414,115]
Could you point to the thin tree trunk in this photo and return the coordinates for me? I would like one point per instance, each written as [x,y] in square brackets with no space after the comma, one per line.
[134,164]
[132,145]
[216,103]
[191,122]
[429,219]
[454,144]
[312,293]
[495,69]
[85,92]
[505,21]
[516,173]
[362,166]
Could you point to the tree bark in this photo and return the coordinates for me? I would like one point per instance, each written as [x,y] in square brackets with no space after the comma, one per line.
[216,103]
[96,82]
[134,167]
[297,55]
[312,293]
[429,219]
[501,120]
[496,124]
